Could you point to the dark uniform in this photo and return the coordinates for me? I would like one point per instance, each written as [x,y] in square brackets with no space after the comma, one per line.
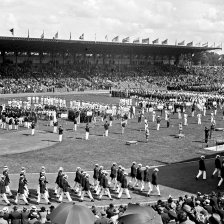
[21,190]
[202,169]
[218,166]
[154,182]
[113,175]
[124,187]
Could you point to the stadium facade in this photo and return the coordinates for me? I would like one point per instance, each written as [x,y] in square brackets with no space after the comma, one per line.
[36,51]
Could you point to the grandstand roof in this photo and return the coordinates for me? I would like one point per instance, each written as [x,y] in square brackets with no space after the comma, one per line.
[21,44]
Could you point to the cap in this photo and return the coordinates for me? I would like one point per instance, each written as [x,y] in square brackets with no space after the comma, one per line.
[114,164]
[5,209]
[202,157]
[2,176]
[43,167]
[65,176]
[126,174]
[33,207]
[156,169]
[139,164]
[60,168]
[134,162]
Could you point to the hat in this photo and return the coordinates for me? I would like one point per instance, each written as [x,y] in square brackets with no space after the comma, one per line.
[114,164]
[125,173]
[60,168]
[197,202]
[139,164]
[202,157]
[134,162]
[172,214]
[103,213]
[116,211]
[24,208]
[87,175]
[207,201]
[217,156]
[147,167]
[15,207]
[95,165]
[33,207]
[187,208]
[156,169]
[5,168]
[43,167]
[119,166]
[2,176]
[65,176]
[5,209]
[23,168]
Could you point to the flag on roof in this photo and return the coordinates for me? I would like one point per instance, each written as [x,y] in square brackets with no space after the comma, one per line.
[115,39]
[42,35]
[190,44]
[125,40]
[198,44]
[145,41]
[205,44]
[12,31]
[70,37]
[56,36]
[165,42]
[156,41]
[106,38]
[28,34]
[81,37]
[136,40]
[181,43]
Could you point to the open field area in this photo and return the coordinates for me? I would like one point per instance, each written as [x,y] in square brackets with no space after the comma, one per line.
[19,149]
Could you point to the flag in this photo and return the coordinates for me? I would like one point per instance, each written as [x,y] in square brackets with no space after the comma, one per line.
[125,40]
[219,46]
[205,45]
[12,31]
[115,39]
[42,35]
[181,43]
[106,38]
[136,40]
[55,36]
[156,41]
[81,37]
[198,44]
[165,42]
[70,37]
[28,35]
[145,41]
[190,44]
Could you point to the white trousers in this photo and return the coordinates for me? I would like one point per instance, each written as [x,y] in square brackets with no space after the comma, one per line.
[157,127]
[5,198]
[185,121]
[60,138]
[215,171]
[21,196]
[55,130]
[44,195]
[8,191]
[200,172]
[152,188]
[87,135]
[106,133]
[75,127]
[67,195]
[199,121]
[32,131]
[126,192]
[105,191]
[88,193]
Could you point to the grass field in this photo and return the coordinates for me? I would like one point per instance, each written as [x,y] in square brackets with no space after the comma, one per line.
[162,149]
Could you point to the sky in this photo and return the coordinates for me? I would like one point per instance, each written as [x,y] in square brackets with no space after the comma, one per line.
[175,20]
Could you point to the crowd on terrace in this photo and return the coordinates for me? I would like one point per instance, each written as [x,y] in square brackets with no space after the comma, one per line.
[24,78]
[199,209]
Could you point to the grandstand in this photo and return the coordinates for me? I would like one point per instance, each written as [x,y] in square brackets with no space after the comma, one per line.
[36,51]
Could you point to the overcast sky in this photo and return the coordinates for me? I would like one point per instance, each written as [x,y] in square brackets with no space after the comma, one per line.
[189,20]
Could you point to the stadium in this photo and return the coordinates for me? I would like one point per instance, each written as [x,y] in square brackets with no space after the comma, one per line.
[51,82]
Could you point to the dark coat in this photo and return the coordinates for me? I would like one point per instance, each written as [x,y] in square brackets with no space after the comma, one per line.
[105,182]
[96,173]
[15,217]
[218,164]
[124,183]
[133,171]
[2,187]
[66,186]
[21,187]
[154,179]
[113,173]
[7,180]
[146,175]
[42,187]
[58,179]
[202,165]
[119,174]
[86,185]
[77,176]
[140,174]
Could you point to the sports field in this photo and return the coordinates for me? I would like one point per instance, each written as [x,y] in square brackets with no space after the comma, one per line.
[19,148]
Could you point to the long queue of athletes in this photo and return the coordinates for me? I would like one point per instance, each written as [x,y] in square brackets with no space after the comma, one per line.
[102,184]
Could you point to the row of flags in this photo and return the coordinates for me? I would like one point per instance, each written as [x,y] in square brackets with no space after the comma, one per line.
[135,41]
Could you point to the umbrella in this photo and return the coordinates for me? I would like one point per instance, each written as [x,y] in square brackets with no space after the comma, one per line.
[141,215]
[69,213]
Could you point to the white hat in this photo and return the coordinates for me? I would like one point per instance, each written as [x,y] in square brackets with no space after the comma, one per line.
[147,167]
[5,209]
[139,164]
[43,167]
[5,168]
[156,169]
[217,156]
[126,174]
[60,168]
[33,207]
[202,157]
[65,176]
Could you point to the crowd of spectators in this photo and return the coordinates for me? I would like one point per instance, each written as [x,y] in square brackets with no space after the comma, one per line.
[24,78]
[198,209]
